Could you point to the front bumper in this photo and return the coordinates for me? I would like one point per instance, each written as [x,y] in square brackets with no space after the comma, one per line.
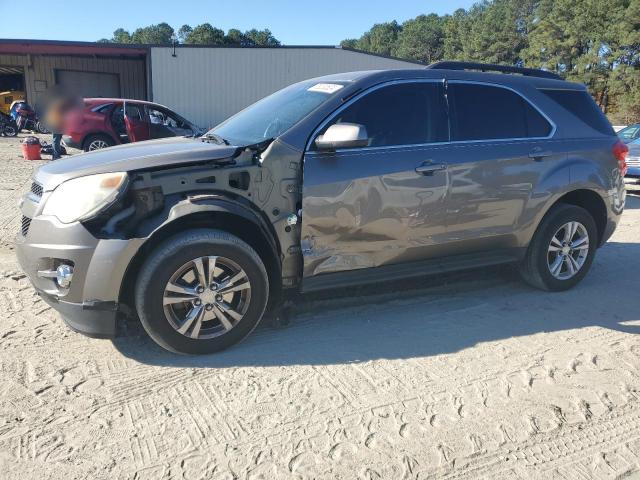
[69,141]
[90,304]
[97,319]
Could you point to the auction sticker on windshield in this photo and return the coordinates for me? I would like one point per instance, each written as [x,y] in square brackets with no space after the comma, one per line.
[325,87]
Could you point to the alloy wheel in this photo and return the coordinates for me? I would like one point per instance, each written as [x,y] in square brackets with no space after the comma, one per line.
[97,145]
[568,250]
[206,297]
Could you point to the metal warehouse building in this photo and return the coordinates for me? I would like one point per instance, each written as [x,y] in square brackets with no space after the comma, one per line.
[204,84]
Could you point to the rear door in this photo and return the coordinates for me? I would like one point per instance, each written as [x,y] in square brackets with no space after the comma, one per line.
[500,153]
[384,203]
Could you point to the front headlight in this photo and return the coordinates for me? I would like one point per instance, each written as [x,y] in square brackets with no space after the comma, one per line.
[83,197]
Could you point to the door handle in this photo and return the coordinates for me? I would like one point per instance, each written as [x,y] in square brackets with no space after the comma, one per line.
[428,168]
[538,154]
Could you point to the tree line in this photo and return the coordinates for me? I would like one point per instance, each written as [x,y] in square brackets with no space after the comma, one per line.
[204,34]
[595,42]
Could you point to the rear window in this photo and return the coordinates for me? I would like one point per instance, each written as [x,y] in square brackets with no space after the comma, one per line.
[581,105]
[484,112]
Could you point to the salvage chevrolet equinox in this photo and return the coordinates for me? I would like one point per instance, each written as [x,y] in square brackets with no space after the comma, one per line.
[342,180]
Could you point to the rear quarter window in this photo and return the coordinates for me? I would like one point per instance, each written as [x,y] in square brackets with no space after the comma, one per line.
[580,104]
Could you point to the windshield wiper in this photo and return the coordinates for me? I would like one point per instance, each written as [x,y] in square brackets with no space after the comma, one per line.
[216,138]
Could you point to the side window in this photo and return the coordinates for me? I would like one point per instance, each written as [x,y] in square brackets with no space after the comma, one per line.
[401,114]
[483,112]
[163,117]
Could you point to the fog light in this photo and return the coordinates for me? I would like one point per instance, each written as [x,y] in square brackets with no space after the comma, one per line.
[64,275]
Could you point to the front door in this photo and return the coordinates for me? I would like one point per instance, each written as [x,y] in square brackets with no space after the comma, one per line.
[164,123]
[381,204]
[135,122]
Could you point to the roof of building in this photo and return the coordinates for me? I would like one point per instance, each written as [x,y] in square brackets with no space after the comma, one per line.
[66,47]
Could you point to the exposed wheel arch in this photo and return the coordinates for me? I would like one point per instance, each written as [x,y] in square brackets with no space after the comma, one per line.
[593,203]
[237,225]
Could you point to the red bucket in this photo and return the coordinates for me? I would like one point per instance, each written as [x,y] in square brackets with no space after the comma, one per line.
[31,151]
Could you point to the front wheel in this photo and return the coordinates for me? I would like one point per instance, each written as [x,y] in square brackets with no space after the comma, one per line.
[10,130]
[201,291]
[562,249]
[97,142]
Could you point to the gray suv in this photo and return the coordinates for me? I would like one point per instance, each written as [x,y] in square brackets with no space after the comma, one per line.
[341,180]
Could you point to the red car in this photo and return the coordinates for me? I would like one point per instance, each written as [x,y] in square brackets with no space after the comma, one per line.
[104,122]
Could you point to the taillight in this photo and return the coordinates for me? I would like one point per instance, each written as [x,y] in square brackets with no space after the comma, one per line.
[620,151]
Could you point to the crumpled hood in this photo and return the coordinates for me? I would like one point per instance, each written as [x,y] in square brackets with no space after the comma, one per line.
[130,157]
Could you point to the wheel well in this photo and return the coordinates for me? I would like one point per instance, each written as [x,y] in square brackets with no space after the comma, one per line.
[592,203]
[234,224]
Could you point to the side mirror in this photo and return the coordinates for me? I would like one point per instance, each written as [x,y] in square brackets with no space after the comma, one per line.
[343,135]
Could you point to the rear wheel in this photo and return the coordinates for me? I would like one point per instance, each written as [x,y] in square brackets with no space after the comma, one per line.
[562,249]
[201,291]
[97,142]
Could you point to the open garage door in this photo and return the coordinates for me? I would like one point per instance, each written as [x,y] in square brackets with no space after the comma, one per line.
[11,86]
[89,84]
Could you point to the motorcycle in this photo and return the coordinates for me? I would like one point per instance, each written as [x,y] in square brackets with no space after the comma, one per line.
[26,117]
[8,127]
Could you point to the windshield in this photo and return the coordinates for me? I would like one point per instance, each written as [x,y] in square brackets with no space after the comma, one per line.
[275,114]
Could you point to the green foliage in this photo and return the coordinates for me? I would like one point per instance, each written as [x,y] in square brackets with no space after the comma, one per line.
[595,42]
[421,38]
[121,36]
[381,39]
[160,34]
[183,32]
[261,38]
[204,34]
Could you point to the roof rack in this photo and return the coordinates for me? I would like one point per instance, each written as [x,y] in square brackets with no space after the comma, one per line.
[490,67]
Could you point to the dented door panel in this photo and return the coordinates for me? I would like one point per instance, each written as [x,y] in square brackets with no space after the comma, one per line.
[369,207]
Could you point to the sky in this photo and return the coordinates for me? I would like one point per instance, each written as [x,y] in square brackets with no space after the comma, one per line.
[319,22]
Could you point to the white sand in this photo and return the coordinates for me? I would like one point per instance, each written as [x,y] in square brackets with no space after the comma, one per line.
[480,378]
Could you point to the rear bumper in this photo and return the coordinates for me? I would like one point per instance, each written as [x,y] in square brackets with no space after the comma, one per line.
[615,206]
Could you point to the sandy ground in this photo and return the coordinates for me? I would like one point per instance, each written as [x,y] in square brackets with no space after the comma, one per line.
[468,376]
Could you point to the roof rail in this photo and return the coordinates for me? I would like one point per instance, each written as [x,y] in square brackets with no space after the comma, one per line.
[490,67]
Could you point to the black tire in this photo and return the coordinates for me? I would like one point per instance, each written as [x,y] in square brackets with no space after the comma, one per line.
[10,130]
[95,139]
[535,268]
[168,258]
[41,128]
